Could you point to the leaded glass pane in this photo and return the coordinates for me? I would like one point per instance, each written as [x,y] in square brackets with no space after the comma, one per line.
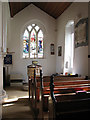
[37,28]
[29,27]
[26,35]
[40,44]
[26,44]
[33,25]
[33,44]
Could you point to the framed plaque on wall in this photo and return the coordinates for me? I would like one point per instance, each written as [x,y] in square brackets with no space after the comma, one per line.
[81,33]
[59,50]
[52,49]
[8,60]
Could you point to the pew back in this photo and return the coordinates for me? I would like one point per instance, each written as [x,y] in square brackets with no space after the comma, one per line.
[67,101]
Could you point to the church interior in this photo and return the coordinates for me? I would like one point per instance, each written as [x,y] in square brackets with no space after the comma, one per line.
[44,60]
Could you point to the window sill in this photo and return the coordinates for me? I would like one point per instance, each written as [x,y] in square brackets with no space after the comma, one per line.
[34,58]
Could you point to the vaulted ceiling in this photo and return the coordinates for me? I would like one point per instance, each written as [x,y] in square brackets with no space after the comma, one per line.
[54,9]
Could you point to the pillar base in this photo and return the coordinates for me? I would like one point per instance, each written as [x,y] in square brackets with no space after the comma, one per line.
[2,96]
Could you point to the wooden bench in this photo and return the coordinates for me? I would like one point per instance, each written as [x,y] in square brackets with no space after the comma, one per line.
[45,82]
[67,103]
[37,111]
[60,82]
[40,89]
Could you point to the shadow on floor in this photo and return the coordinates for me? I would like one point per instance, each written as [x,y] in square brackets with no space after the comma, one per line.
[18,110]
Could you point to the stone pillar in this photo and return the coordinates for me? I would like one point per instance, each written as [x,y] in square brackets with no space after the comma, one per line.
[1,61]
[2,92]
[1,84]
[0,27]
[89,40]
[4,21]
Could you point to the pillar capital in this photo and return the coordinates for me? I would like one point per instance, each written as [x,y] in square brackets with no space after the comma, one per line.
[2,55]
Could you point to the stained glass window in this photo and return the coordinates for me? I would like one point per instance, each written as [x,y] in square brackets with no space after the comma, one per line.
[29,27]
[26,44]
[33,42]
[40,44]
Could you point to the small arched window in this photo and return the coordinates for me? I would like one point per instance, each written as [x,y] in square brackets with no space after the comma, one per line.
[33,42]
[69,47]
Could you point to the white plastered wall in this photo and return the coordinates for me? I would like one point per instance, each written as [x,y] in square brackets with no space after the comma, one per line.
[74,12]
[54,32]
[29,15]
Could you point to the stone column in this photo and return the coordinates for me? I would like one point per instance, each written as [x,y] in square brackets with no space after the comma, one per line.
[2,92]
[89,40]
[0,27]
[1,61]
[4,21]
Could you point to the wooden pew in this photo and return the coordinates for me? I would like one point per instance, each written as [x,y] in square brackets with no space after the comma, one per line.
[60,83]
[59,80]
[45,82]
[68,103]
[36,108]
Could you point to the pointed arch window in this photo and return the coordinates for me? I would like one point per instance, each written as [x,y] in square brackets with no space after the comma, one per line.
[69,47]
[33,42]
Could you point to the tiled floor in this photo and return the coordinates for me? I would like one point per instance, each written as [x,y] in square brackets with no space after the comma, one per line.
[16,105]
[16,92]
